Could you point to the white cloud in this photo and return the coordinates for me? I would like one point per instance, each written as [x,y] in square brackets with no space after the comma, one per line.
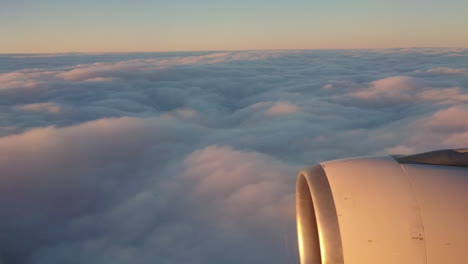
[398,88]
[400,91]
[241,185]
[120,157]
[444,128]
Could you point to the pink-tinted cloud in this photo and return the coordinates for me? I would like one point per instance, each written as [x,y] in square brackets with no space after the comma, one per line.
[444,95]
[448,71]
[102,71]
[392,88]
[49,108]
[445,128]
[242,187]
[28,79]
[397,90]
[452,119]
[282,108]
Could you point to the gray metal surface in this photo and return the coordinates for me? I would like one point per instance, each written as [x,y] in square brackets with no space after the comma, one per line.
[446,157]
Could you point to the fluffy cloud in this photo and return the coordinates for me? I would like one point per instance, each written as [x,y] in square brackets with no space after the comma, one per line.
[448,71]
[444,128]
[396,88]
[397,91]
[191,157]
[282,108]
[111,190]
[53,177]
[49,108]
[452,119]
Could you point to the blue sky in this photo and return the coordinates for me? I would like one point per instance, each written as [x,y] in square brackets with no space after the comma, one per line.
[123,25]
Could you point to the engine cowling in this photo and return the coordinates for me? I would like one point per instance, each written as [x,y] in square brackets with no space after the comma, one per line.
[411,209]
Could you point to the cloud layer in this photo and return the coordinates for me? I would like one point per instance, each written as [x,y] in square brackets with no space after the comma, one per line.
[191,157]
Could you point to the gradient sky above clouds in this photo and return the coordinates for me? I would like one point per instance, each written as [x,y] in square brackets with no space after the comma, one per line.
[29,26]
[191,157]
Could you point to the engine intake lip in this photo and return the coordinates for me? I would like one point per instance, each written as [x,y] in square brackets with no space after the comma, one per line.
[318,229]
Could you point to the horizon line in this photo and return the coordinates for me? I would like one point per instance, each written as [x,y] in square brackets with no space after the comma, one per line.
[233,50]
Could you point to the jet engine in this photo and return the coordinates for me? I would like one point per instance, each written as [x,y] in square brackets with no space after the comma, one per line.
[386,210]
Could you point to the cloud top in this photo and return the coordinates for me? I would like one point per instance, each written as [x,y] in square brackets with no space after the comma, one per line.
[282,108]
[191,157]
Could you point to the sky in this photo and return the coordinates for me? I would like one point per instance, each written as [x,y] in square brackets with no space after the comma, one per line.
[191,157]
[52,26]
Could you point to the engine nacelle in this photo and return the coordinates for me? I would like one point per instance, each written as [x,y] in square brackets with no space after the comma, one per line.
[371,210]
